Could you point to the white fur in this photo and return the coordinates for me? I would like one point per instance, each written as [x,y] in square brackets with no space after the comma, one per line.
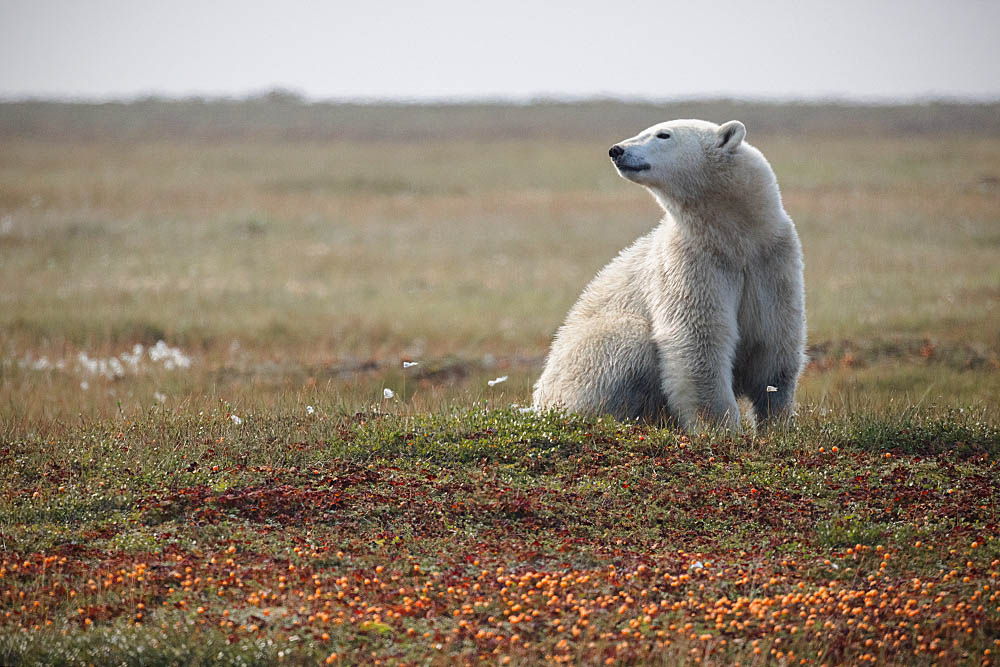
[706,307]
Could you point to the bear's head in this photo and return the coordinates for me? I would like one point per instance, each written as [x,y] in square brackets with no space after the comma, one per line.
[683,161]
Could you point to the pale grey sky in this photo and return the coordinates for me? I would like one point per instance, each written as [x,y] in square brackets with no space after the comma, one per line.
[860,49]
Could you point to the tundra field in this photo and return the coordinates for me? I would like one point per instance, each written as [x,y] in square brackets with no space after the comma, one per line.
[202,304]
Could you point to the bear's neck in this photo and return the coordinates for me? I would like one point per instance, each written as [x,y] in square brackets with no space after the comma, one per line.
[750,197]
[724,221]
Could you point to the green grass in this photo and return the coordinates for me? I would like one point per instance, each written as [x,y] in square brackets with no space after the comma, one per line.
[296,262]
[446,507]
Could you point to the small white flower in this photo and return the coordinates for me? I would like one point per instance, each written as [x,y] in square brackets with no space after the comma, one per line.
[502,378]
[388,393]
[410,364]
[310,410]
[771,389]
[530,408]
[85,385]
[236,419]
[159,397]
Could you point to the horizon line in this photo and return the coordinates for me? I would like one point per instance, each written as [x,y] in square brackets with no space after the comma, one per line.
[291,96]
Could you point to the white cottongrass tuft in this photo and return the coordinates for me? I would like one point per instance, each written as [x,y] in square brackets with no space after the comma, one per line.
[40,364]
[110,368]
[236,419]
[502,378]
[410,364]
[388,393]
[171,357]
[133,362]
[310,410]
[132,359]
[771,389]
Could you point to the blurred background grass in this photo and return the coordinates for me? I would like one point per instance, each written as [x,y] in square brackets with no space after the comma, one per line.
[299,252]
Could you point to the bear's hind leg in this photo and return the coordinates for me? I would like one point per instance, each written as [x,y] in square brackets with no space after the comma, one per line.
[605,370]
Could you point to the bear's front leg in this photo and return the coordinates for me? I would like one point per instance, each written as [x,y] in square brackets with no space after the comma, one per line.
[773,395]
[708,401]
[696,360]
[772,334]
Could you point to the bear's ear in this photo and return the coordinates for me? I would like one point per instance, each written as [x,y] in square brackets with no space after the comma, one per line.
[731,135]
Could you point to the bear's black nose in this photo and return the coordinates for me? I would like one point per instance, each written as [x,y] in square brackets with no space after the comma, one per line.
[616,151]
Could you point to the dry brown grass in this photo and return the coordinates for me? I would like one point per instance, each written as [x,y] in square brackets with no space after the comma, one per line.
[330,261]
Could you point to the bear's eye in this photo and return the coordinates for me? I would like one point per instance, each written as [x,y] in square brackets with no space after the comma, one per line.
[663,135]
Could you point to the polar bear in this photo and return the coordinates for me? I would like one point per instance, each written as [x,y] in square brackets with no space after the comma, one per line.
[707,307]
